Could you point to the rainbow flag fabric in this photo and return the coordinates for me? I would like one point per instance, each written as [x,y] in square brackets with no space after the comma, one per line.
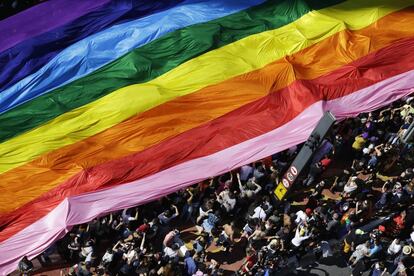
[105,105]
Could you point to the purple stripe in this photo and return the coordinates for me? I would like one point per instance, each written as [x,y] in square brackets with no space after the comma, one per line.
[42,18]
[35,238]
[20,61]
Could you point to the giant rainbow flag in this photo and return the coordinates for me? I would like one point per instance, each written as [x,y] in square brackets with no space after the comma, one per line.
[108,104]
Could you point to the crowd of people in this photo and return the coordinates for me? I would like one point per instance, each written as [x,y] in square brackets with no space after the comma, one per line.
[354,201]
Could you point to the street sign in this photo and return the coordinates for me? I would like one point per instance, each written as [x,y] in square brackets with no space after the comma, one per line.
[280,191]
[305,155]
[293,170]
[285,183]
[290,177]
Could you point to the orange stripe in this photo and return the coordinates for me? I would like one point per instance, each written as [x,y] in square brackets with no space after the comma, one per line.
[242,124]
[29,181]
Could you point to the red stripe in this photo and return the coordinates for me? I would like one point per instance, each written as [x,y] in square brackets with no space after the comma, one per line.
[242,124]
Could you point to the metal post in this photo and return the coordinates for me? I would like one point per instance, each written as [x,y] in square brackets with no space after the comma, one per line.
[305,155]
[409,134]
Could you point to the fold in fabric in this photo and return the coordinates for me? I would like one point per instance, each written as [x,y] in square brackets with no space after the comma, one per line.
[236,126]
[42,18]
[22,60]
[80,209]
[93,52]
[213,67]
[184,113]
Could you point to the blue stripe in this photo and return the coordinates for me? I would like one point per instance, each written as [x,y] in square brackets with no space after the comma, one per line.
[30,55]
[93,52]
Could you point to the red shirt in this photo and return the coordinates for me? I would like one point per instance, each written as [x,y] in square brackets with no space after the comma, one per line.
[325,162]
[143,228]
[399,221]
[250,261]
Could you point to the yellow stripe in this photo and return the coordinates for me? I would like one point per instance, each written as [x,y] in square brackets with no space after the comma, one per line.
[234,59]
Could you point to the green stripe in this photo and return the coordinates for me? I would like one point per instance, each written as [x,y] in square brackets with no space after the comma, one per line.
[152,60]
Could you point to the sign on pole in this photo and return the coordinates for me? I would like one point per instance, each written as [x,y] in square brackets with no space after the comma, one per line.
[305,154]
[280,191]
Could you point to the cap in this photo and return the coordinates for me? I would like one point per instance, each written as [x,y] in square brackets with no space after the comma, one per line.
[359,232]
[407,250]
[345,207]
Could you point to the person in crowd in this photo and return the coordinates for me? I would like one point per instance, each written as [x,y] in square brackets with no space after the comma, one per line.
[356,202]
[25,266]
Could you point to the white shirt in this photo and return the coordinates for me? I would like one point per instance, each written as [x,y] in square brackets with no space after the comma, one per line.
[259,213]
[300,217]
[412,236]
[182,251]
[88,258]
[169,252]
[348,188]
[394,248]
[228,203]
[86,250]
[298,239]
[107,258]
[131,255]
[202,213]
[360,251]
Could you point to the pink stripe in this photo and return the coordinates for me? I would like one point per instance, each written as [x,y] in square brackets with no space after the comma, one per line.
[34,239]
